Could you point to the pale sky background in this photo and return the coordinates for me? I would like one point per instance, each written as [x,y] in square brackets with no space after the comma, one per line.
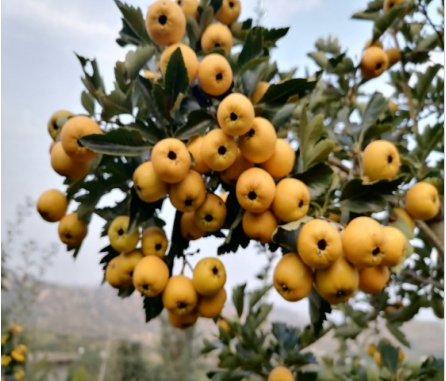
[40,74]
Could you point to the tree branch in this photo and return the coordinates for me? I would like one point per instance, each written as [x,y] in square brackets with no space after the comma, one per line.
[424,11]
[418,278]
[431,236]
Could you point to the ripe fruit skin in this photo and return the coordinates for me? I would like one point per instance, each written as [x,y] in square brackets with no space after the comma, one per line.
[396,247]
[209,276]
[147,184]
[405,216]
[194,147]
[235,114]
[150,276]
[401,355]
[211,306]
[381,160]
[259,226]
[52,205]
[218,150]
[72,231]
[374,62]
[120,239]
[179,296]
[393,55]
[259,91]
[389,4]
[17,356]
[255,190]
[189,194]
[223,324]
[292,200]
[189,230]
[153,76]
[112,273]
[66,166]
[229,11]
[74,129]
[292,278]
[371,349]
[165,22]
[215,36]
[373,279]
[127,265]
[183,321]
[393,107]
[214,75]
[211,215]
[154,241]
[377,43]
[259,143]
[53,128]
[5,360]
[377,358]
[280,373]
[337,283]
[319,244]
[364,242]
[422,201]
[171,160]
[189,57]
[189,7]
[281,163]
[240,165]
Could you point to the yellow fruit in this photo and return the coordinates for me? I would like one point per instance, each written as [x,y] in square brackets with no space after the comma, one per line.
[57,121]
[377,44]
[292,200]
[240,165]
[259,91]
[127,266]
[364,242]
[255,190]
[74,129]
[215,75]
[373,279]
[5,360]
[113,274]
[183,321]
[154,241]
[147,184]
[280,373]
[389,310]
[229,11]
[405,216]
[281,163]
[150,276]
[22,348]
[189,230]
[259,143]
[371,349]
[52,144]
[189,194]
[211,306]
[120,238]
[216,36]
[422,201]
[211,215]
[377,358]
[194,147]
[72,231]
[19,374]
[17,356]
[393,55]
[179,296]
[218,150]
[4,339]
[401,355]
[396,247]
[334,217]
[209,276]
[381,160]
[189,7]
[337,283]
[292,278]
[171,160]
[151,75]
[374,62]
[16,329]
[223,324]
[389,4]
[319,244]
[393,107]
[235,114]
[52,205]
[224,196]
[165,22]
[189,57]
[259,226]
[65,165]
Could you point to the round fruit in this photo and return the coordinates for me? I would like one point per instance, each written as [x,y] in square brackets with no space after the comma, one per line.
[406,217]
[209,276]
[240,165]
[56,122]
[216,36]
[189,58]
[377,44]
[171,160]
[211,215]
[259,91]
[154,241]
[401,355]
[374,62]
[189,7]
[189,230]
[422,201]
[127,266]
[381,160]
[5,360]
[72,231]
[259,226]
[214,75]
[255,190]
[235,114]
[52,205]
[189,194]
[393,55]
[281,163]
[280,373]
[377,358]
[194,147]
[211,306]
[393,107]
[371,349]
[292,200]
[373,279]
[223,324]
[179,296]
[150,276]
[17,356]
[292,278]
[148,186]
[165,22]
[183,321]
[65,165]
[120,238]
[259,143]
[218,150]
[229,11]
[112,273]
[396,247]
[389,4]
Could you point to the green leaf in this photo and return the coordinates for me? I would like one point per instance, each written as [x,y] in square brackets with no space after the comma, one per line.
[133,21]
[347,332]
[375,107]
[238,298]
[319,309]
[87,101]
[286,235]
[283,115]
[328,45]
[389,356]
[216,5]
[372,16]
[271,36]
[115,103]
[376,131]
[252,48]
[430,42]
[278,94]
[382,23]
[397,334]
[148,130]
[206,18]
[152,307]
[307,376]
[197,124]
[176,80]
[135,60]
[255,296]
[320,58]
[317,179]
[193,31]
[425,80]
[126,292]
[93,82]
[140,211]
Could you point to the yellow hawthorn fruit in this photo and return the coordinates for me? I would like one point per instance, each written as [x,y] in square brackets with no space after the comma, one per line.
[374,62]
[189,230]
[229,11]
[377,358]
[334,217]
[148,186]
[223,324]
[259,91]
[154,241]
[165,22]
[194,147]
[5,360]
[240,165]
[255,190]
[211,215]
[389,4]
[55,123]
[209,276]
[179,296]
[17,356]
[66,166]
[224,196]
[401,355]
[189,57]
[281,163]
[211,306]
[259,143]
[216,36]
[292,200]
[235,114]
[337,283]
[373,279]
[171,160]
[150,75]
[393,56]
[381,160]
[218,150]
[214,74]
[393,107]
[150,276]
[422,201]
[259,226]
[183,321]
[405,216]
[292,278]
[52,205]
[51,147]
[371,349]
[113,274]
[16,329]
[72,231]
[189,194]
[4,339]
[19,374]
[364,242]
[120,238]
[280,373]
[377,44]
[396,247]
[189,7]
[127,265]
[74,129]
[319,244]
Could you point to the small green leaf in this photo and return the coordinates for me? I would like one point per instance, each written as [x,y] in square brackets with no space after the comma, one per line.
[286,235]
[376,131]
[152,307]
[252,48]
[389,356]
[206,18]
[271,36]
[397,334]
[347,332]
[133,21]
[382,23]
[320,58]
[283,115]
[193,31]
[255,296]
[176,80]
[148,130]
[135,60]
[279,94]
[115,103]
[425,80]
[125,292]
[197,124]
[238,298]
[375,107]
[93,82]
[319,309]
[317,179]
[87,101]
[140,211]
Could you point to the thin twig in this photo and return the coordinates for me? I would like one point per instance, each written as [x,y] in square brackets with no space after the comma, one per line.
[431,236]
[338,163]
[415,276]
[424,10]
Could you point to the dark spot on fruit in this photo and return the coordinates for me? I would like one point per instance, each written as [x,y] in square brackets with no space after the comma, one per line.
[251,132]
[215,270]
[389,159]
[79,143]
[222,150]
[188,202]
[252,195]
[162,19]
[121,232]
[138,188]
[182,305]
[68,236]
[146,287]
[301,203]
[172,155]
[391,4]
[284,287]
[179,2]
[378,66]
[231,4]
[376,251]
[233,116]
[341,293]
[217,45]
[158,247]
[131,273]
[322,244]
[208,218]
[185,325]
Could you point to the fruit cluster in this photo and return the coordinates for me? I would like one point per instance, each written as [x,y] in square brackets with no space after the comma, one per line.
[13,353]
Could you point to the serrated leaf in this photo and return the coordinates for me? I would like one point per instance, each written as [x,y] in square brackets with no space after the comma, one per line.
[317,179]
[271,36]
[176,79]
[87,101]
[93,82]
[347,332]
[278,94]
[115,103]
[238,298]
[375,107]
[197,124]
[135,60]
[389,356]
[383,22]
[152,307]
[252,48]
[320,58]
[125,292]
[255,296]
[148,130]
[133,19]
[286,235]
[397,334]
[424,82]
[319,309]
[283,115]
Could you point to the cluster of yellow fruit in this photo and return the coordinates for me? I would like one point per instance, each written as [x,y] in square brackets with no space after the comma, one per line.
[372,351]
[15,356]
